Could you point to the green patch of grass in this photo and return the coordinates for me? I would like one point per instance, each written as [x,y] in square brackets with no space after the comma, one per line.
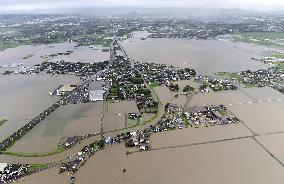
[248,85]
[184,119]
[260,38]
[3,121]
[229,75]
[263,35]
[7,45]
[153,84]
[23,154]
[223,113]
[280,65]
[131,122]
[34,167]
[279,56]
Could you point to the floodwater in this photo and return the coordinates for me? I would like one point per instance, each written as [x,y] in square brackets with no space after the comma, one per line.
[23,97]
[217,98]
[49,159]
[46,135]
[265,117]
[114,118]
[167,96]
[49,176]
[80,54]
[66,121]
[188,136]
[272,142]
[205,56]
[113,122]
[264,93]
[122,107]
[234,162]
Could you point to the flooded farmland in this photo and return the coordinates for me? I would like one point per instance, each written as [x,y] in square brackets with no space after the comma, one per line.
[205,56]
[217,98]
[272,142]
[66,121]
[23,97]
[198,135]
[202,164]
[266,117]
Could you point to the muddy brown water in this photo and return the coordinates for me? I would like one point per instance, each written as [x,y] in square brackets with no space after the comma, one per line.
[205,56]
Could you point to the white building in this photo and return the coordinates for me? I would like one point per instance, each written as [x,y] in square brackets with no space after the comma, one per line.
[96,95]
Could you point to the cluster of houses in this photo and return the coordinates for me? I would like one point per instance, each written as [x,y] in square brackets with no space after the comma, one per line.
[158,73]
[62,67]
[11,172]
[127,84]
[203,115]
[214,84]
[272,77]
[138,139]
[162,73]
[192,33]
[78,68]
[214,115]
[76,160]
[186,73]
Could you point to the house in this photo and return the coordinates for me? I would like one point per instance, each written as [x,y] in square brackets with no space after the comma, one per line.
[144,147]
[96,95]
